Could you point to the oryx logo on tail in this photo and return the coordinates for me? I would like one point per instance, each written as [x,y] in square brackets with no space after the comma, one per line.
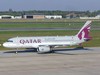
[84,32]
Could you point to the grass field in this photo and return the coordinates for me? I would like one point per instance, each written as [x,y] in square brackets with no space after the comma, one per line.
[64,23]
[95,42]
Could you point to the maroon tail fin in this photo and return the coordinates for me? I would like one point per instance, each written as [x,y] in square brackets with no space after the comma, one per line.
[84,32]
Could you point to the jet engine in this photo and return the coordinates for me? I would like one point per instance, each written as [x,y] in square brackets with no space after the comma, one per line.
[43,49]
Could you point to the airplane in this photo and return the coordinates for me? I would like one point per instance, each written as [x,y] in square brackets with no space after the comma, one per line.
[43,44]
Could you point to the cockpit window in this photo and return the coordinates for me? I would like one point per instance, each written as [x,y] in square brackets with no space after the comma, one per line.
[9,41]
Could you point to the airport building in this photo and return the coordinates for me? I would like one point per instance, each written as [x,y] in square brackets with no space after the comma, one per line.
[38,17]
[42,17]
[96,17]
[34,17]
[6,17]
[71,15]
[53,17]
[18,17]
[28,16]
[31,17]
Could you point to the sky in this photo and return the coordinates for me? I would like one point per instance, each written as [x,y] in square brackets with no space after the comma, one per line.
[66,5]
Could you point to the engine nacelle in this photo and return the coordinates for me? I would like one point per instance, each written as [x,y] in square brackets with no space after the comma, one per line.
[43,49]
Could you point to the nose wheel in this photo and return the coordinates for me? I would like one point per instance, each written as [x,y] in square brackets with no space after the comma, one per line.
[16,52]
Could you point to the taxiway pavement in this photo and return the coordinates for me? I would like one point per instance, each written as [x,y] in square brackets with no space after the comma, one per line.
[61,62]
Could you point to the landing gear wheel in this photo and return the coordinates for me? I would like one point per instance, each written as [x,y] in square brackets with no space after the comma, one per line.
[80,47]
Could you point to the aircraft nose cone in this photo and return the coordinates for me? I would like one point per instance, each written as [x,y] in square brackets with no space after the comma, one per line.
[9,45]
[5,44]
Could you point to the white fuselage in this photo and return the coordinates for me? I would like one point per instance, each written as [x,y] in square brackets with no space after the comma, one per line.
[35,42]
